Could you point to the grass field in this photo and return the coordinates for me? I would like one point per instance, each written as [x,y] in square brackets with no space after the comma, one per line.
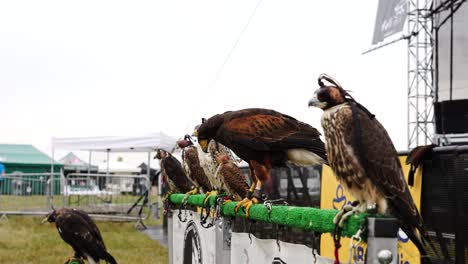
[24,240]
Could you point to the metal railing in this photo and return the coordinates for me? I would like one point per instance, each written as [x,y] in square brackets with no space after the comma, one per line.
[112,196]
[109,194]
[27,192]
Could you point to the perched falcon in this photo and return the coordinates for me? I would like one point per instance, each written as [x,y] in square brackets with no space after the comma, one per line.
[363,157]
[173,172]
[192,166]
[264,139]
[79,231]
[416,157]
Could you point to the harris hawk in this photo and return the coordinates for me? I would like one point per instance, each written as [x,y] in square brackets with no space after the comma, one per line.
[362,156]
[264,139]
[78,230]
[191,162]
[216,170]
[172,171]
[231,177]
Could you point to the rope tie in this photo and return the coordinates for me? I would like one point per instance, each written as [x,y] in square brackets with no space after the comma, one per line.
[336,241]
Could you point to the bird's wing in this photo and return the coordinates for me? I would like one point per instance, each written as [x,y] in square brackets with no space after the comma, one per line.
[79,234]
[273,131]
[234,180]
[91,224]
[197,173]
[418,154]
[378,157]
[175,172]
[186,164]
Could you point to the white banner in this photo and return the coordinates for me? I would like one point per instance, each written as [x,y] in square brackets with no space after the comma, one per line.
[192,242]
[189,242]
[267,251]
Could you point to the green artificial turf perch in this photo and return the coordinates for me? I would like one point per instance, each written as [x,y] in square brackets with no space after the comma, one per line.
[307,218]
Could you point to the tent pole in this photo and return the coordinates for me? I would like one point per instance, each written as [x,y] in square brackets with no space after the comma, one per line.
[107,169]
[88,181]
[51,185]
[89,162]
[148,175]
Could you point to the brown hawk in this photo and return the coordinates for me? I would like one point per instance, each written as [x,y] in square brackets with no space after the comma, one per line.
[192,165]
[172,171]
[362,155]
[263,138]
[78,230]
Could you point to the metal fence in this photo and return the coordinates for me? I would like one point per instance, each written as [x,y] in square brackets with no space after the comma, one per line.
[29,192]
[112,194]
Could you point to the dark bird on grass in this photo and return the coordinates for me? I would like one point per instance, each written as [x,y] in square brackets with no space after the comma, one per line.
[172,171]
[416,157]
[362,156]
[264,139]
[79,231]
[191,162]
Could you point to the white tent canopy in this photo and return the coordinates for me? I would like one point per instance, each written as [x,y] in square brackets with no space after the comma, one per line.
[146,143]
[117,166]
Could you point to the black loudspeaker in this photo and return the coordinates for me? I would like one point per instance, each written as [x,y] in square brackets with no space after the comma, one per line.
[451,117]
[444,201]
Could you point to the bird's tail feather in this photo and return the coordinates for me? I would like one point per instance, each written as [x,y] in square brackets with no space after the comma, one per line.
[110,259]
[420,243]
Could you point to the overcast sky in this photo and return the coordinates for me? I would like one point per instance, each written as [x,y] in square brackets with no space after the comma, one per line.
[98,68]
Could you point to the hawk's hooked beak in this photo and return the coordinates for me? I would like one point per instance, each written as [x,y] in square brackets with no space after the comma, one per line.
[314,101]
[45,219]
[204,145]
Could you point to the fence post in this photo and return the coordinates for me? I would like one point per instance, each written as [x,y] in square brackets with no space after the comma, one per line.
[382,241]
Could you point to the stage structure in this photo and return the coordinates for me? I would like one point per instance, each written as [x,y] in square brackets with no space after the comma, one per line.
[450,19]
[420,74]
[432,65]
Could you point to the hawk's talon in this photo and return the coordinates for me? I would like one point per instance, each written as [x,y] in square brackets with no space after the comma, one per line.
[344,214]
[208,195]
[246,203]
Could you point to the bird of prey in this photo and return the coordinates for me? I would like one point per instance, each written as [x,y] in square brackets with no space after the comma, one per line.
[173,172]
[362,155]
[264,139]
[416,157]
[79,231]
[215,171]
[193,169]
[231,177]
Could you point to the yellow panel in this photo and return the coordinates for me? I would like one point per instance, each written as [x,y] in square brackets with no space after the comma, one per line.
[333,196]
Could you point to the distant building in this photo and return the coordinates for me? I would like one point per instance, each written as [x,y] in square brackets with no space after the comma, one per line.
[73,164]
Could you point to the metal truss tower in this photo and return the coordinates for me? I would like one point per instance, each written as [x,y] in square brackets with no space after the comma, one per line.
[421,90]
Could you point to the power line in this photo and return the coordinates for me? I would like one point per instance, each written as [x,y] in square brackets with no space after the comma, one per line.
[221,68]
[228,56]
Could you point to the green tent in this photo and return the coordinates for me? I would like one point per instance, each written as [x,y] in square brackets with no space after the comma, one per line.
[18,159]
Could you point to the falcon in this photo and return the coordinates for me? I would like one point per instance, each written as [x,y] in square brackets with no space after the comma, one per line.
[264,139]
[192,166]
[172,170]
[362,156]
[78,230]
